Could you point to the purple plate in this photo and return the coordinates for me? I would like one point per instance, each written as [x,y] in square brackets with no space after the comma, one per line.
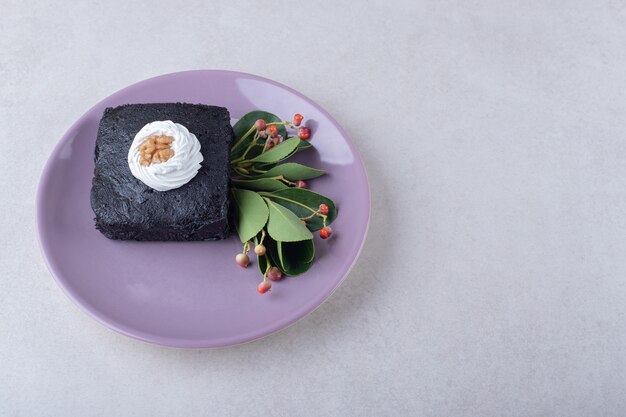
[192,294]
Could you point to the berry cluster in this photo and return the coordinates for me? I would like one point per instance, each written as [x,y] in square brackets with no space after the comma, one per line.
[322,212]
[270,132]
[272,273]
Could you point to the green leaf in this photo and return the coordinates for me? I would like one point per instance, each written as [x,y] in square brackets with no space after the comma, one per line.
[272,250]
[303,203]
[244,124]
[293,172]
[285,226]
[295,257]
[261,184]
[278,152]
[264,167]
[304,144]
[251,213]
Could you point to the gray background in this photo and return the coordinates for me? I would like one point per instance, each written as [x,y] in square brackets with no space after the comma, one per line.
[492,282]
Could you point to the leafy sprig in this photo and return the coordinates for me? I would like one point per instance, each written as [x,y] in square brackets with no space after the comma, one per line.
[273,208]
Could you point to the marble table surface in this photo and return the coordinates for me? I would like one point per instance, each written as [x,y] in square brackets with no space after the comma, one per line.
[493,280]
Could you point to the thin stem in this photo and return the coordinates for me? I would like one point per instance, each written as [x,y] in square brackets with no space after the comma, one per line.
[263,194]
[314,212]
[241,158]
[317,213]
[285,180]
[267,268]
[242,138]
[252,143]
[265,144]
[277,177]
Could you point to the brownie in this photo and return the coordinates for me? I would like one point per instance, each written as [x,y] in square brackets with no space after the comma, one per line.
[127,209]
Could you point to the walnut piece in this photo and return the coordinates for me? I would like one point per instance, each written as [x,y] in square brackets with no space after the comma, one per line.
[155,149]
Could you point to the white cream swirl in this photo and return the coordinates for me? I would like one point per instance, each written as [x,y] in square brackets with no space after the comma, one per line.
[176,171]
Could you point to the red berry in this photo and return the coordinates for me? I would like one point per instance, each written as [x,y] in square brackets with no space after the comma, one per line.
[278,139]
[260,250]
[301,184]
[297,119]
[274,274]
[260,124]
[304,133]
[273,131]
[323,209]
[242,260]
[270,144]
[264,287]
[325,232]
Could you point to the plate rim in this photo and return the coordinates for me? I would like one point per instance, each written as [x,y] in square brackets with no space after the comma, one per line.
[169,342]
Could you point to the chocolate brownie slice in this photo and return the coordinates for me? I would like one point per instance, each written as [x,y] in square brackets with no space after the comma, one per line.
[127,209]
